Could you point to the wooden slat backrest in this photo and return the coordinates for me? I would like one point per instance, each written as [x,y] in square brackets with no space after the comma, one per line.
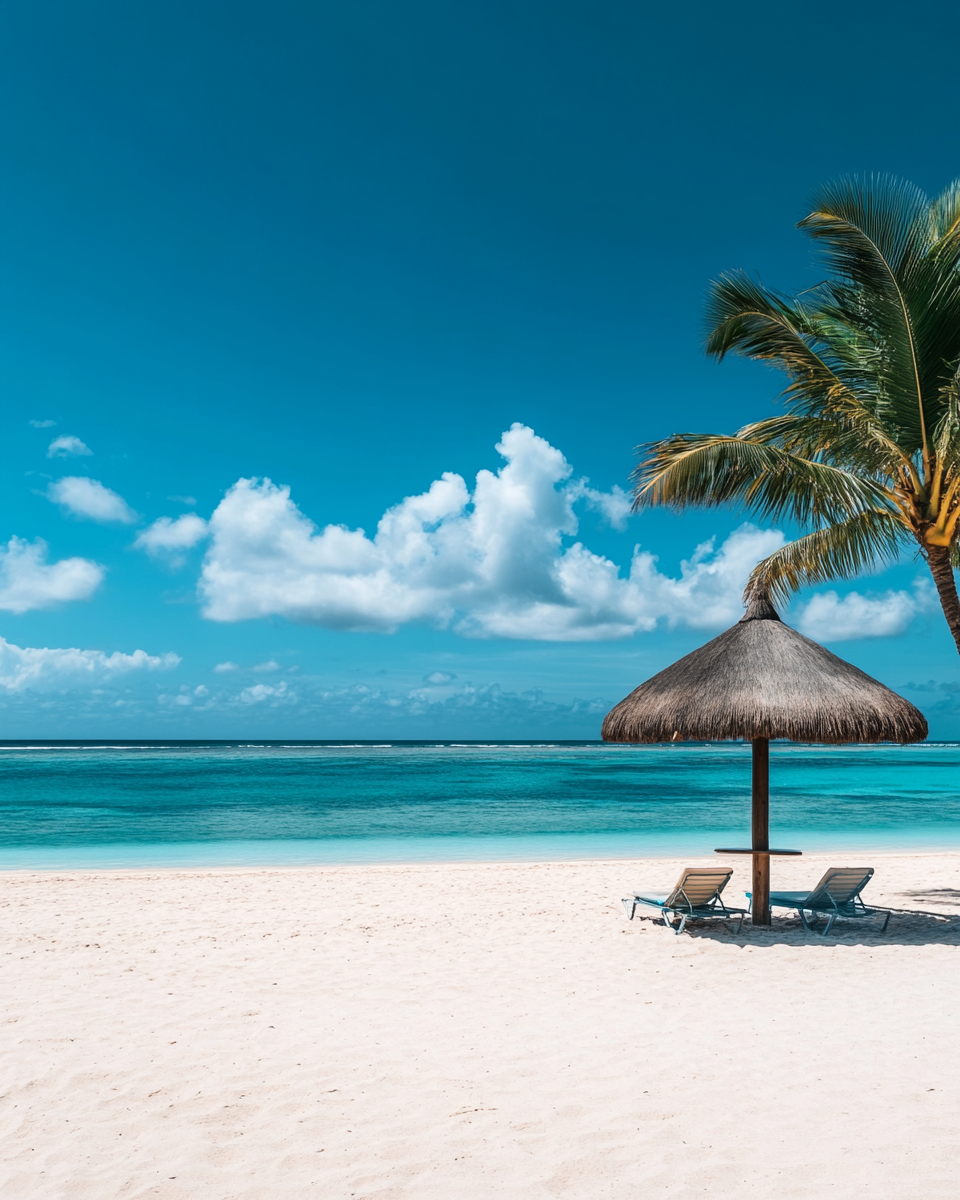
[698,885]
[840,885]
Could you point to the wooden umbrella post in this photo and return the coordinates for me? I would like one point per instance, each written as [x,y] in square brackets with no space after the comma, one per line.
[760,841]
[760,850]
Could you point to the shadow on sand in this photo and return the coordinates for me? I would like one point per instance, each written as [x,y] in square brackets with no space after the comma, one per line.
[946,896]
[906,928]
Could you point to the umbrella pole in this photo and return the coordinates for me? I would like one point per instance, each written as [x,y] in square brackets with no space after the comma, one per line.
[760,841]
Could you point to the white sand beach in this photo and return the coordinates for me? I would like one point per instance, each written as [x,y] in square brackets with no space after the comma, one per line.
[473,1030]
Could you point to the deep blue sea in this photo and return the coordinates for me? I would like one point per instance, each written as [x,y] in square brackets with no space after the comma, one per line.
[202,804]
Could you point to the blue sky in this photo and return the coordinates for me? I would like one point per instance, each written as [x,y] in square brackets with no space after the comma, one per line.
[438,267]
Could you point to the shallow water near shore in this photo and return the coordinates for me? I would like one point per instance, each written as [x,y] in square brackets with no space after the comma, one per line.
[93,805]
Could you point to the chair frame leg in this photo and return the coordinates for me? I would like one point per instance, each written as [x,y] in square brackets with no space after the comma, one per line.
[668,917]
[668,921]
[810,927]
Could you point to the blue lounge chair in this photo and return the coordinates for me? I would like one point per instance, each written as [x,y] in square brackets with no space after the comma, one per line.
[836,895]
[696,897]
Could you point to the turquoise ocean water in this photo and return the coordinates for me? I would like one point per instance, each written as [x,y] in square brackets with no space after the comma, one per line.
[204,804]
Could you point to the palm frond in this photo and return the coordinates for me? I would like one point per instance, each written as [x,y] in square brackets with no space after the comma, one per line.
[945,494]
[702,469]
[875,231]
[832,361]
[934,301]
[946,435]
[839,552]
[848,436]
[743,317]
[899,287]
[945,213]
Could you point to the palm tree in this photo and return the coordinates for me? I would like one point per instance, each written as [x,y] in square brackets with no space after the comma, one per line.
[866,457]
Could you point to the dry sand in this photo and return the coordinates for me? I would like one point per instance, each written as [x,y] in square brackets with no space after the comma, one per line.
[446,1031]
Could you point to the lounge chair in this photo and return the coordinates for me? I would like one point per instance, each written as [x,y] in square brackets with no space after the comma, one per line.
[696,897]
[836,895]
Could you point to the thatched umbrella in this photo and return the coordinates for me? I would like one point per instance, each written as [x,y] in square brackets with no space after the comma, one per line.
[762,680]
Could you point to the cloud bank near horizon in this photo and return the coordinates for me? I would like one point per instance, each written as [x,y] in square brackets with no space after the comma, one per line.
[45,668]
[134,692]
[79,688]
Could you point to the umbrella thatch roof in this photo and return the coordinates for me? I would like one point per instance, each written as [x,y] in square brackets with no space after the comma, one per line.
[762,679]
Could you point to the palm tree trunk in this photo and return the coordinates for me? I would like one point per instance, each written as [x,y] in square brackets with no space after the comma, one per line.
[941,568]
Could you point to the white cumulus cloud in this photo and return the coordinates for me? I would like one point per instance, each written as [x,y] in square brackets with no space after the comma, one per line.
[89,498]
[439,677]
[615,505]
[224,667]
[261,692]
[166,535]
[43,424]
[828,617]
[67,446]
[28,581]
[493,562]
[26,667]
